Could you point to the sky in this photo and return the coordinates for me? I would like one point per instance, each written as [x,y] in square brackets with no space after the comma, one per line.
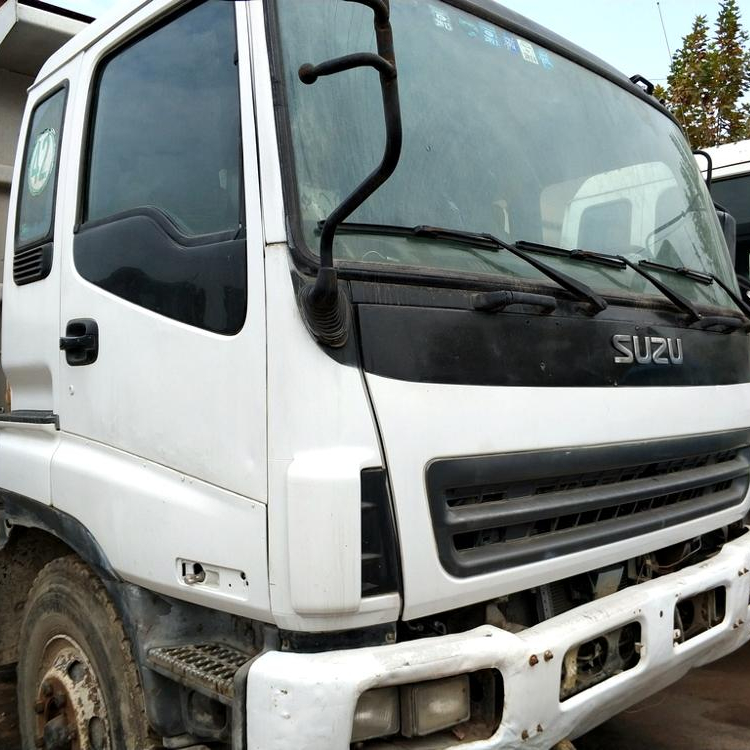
[626,33]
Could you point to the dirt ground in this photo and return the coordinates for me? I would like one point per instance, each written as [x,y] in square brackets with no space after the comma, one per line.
[708,710]
[8,726]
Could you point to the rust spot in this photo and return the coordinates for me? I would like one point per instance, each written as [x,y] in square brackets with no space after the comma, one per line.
[525,735]
[548,656]
[533,660]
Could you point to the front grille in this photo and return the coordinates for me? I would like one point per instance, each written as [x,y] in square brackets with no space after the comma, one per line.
[495,512]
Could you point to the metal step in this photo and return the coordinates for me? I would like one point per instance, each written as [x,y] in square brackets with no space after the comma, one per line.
[208,668]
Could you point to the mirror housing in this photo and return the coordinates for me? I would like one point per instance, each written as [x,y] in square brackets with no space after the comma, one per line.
[729,228]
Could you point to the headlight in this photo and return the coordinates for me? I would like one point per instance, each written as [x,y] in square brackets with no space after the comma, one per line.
[376,714]
[428,707]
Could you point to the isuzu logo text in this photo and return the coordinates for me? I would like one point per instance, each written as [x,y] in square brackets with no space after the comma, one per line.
[647,349]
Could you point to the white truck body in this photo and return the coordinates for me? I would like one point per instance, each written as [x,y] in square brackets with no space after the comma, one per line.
[225,471]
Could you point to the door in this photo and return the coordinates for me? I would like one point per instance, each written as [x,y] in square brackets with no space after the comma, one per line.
[162,302]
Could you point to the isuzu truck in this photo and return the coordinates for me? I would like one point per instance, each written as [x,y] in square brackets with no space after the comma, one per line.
[378,378]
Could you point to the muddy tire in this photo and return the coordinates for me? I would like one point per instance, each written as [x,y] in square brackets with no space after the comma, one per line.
[78,686]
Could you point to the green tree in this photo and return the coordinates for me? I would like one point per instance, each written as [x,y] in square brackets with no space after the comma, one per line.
[708,79]
[690,83]
[731,69]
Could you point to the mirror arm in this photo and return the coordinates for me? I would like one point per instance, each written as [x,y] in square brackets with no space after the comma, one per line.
[326,308]
[710,169]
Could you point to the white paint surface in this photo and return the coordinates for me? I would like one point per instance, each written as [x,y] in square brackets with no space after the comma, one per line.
[320,435]
[422,422]
[146,517]
[325,542]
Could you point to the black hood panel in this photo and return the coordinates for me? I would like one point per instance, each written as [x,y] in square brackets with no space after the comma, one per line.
[465,347]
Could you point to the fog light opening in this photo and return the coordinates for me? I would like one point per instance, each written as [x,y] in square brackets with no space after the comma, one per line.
[698,614]
[592,656]
[599,659]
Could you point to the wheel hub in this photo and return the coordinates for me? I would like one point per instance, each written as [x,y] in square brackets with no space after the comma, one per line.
[70,709]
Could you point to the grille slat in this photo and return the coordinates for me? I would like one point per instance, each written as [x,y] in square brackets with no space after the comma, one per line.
[552,505]
[495,512]
[585,537]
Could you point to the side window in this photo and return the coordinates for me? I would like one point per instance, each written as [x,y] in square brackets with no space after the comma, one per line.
[32,259]
[162,219]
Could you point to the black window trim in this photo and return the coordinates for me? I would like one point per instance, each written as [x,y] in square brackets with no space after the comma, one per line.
[64,85]
[167,224]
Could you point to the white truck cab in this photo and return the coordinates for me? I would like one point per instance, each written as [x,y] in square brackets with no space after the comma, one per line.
[453,454]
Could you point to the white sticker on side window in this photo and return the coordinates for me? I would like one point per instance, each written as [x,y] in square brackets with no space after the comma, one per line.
[42,161]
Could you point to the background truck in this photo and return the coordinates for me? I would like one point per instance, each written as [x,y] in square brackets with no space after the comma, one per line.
[730,186]
[378,378]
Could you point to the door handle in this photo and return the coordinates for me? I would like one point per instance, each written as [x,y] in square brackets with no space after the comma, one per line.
[81,342]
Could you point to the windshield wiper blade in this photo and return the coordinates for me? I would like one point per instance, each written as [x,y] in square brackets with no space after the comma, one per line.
[421,231]
[702,278]
[486,242]
[689,273]
[602,259]
[674,297]
[616,261]
[697,319]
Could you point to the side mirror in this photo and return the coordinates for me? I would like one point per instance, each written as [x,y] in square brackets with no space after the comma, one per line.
[729,227]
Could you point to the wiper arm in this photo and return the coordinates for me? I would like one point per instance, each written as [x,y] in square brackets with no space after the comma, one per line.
[696,318]
[616,261]
[702,321]
[674,297]
[702,278]
[485,242]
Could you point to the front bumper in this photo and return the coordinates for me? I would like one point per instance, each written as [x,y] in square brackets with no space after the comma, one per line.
[308,700]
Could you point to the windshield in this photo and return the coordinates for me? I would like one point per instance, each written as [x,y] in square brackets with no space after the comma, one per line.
[500,136]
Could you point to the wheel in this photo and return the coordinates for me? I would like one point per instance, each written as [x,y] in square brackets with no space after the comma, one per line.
[78,686]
